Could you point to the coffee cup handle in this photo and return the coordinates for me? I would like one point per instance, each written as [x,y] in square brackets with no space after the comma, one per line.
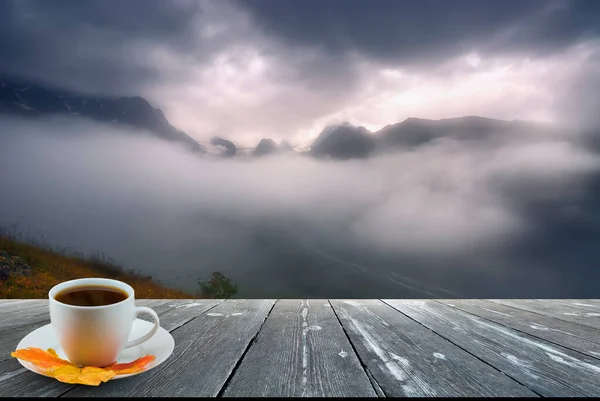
[144,309]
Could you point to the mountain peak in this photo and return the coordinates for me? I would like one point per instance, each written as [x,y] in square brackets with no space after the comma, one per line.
[20,97]
[230,148]
[265,146]
[344,142]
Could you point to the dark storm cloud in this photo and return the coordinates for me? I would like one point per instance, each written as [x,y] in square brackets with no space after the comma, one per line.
[428,30]
[87,45]
[288,68]
[107,46]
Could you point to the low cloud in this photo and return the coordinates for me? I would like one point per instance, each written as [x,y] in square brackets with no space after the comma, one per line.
[288,220]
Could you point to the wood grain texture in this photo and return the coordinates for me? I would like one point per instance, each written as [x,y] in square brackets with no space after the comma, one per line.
[406,359]
[207,350]
[16,324]
[38,311]
[181,312]
[566,313]
[6,301]
[17,317]
[160,306]
[546,368]
[10,339]
[594,302]
[151,303]
[18,381]
[578,304]
[570,335]
[211,337]
[22,304]
[301,350]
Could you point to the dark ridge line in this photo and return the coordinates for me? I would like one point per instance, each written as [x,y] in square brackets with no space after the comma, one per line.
[524,332]
[374,383]
[250,343]
[467,351]
[541,314]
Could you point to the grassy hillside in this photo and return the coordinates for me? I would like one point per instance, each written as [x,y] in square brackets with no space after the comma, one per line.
[50,267]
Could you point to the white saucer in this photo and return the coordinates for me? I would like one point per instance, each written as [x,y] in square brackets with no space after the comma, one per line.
[160,345]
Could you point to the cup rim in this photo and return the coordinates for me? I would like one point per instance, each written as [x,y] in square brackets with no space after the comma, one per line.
[91,281]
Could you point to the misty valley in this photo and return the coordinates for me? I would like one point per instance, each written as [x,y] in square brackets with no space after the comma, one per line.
[466,207]
[285,198]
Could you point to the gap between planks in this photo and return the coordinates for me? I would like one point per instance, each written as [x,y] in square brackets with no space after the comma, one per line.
[464,349]
[239,361]
[374,383]
[170,331]
[532,333]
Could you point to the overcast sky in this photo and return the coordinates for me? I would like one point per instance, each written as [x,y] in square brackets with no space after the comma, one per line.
[249,69]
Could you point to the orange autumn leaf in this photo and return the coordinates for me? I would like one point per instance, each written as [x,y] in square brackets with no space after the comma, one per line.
[132,367]
[67,372]
[39,357]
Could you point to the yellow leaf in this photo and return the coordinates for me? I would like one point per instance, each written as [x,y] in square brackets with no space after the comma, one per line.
[89,375]
[52,352]
[67,372]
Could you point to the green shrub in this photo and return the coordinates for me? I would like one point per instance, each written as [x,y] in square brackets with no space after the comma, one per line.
[218,286]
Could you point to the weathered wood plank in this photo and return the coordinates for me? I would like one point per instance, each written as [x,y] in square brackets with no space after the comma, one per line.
[11,337]
[170,318]
[38,311]
[160,306]
[14,325]
[586,302]
[13,319]
[546,368]
[406,359]
[18,380]
[566,313]
[17,317]
[168,304]
[10,316]
[206,351]
[150,303]
[583,305]
[180,313]
[301,350]
[12,303]
[9,300]
[569,335]
[21,323]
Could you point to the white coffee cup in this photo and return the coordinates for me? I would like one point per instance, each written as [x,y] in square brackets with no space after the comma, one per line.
[96,335]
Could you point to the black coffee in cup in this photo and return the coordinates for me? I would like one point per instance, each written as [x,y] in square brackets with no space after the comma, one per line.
[91,295]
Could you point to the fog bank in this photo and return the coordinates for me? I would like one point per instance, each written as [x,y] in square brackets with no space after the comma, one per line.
[451,218]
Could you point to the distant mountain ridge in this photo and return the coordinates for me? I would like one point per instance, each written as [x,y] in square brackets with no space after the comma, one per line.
[23,98]
[343,141]
[346,141]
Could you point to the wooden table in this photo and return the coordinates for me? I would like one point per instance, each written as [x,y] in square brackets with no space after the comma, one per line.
[360,347]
